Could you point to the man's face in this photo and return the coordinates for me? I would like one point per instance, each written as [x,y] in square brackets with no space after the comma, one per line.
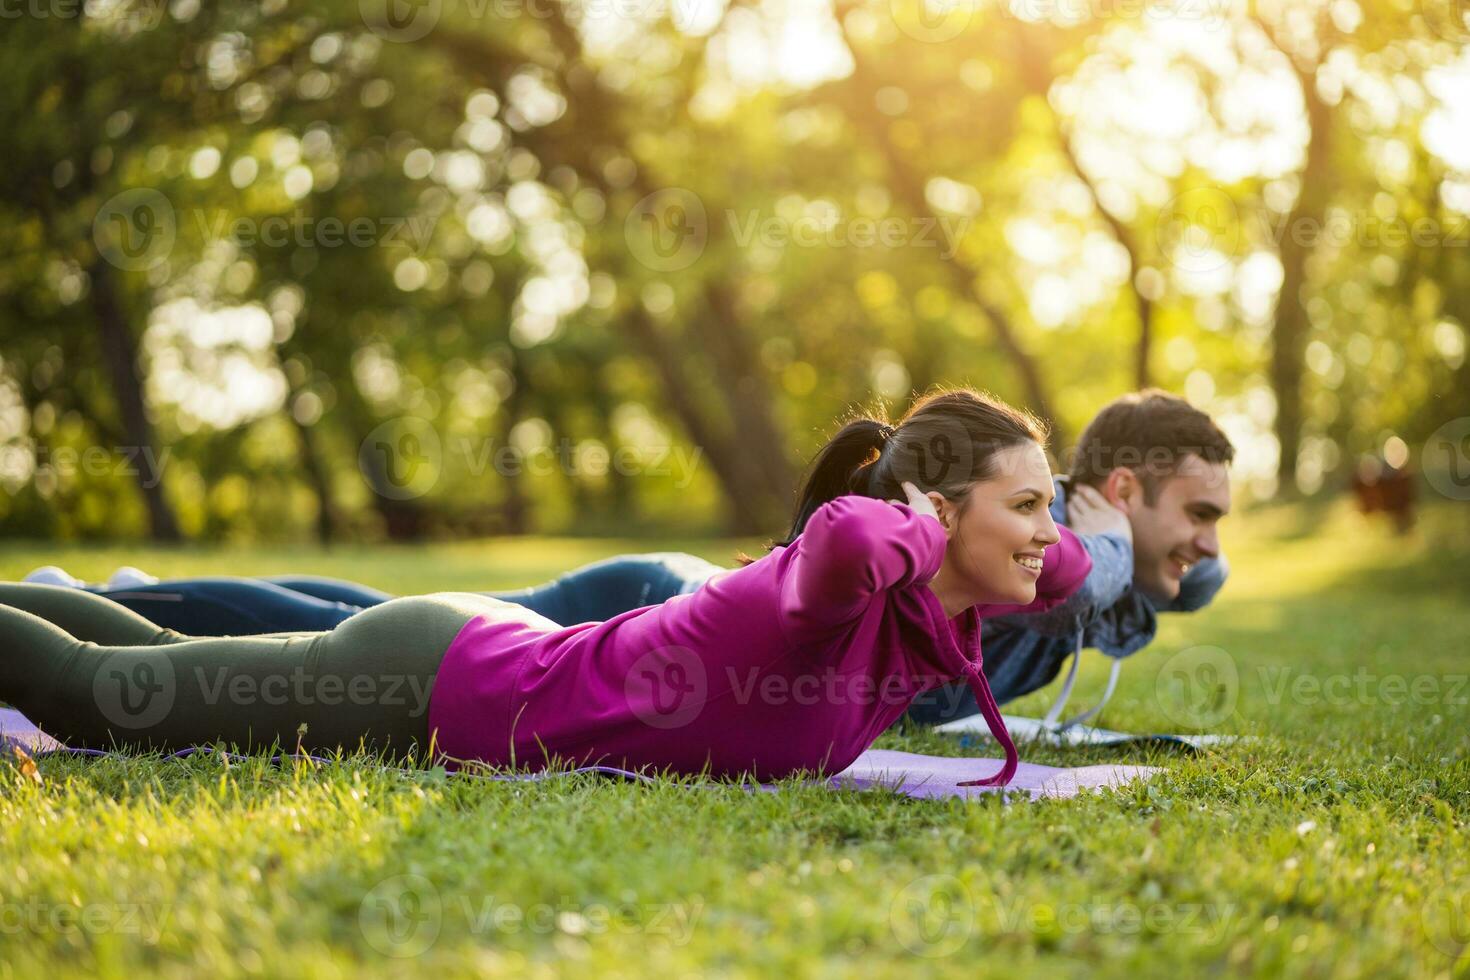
[1179,528]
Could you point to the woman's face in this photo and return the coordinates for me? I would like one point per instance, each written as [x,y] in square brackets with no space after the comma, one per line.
[1000,528]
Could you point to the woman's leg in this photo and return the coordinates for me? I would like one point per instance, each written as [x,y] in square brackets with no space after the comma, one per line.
[85,616]
[229,607]
[604,589]
[364,684]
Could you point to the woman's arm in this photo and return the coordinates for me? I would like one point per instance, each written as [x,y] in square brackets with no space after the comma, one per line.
[852,548]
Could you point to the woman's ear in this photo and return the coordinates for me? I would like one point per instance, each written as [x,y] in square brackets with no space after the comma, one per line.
[945,509]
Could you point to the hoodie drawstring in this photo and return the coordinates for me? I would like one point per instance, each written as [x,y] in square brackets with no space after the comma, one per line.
[991,711]
[1050,722]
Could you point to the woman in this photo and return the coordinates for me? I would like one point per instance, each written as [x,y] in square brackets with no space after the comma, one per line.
[794,662]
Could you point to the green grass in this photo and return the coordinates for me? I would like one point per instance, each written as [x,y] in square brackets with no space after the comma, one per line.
[1335,845]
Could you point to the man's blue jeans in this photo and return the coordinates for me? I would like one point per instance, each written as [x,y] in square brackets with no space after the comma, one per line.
[227,606]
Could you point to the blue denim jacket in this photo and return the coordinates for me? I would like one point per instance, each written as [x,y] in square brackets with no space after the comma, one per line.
[1025,653]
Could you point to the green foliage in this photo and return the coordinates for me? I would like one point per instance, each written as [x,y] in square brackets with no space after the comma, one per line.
[462,227]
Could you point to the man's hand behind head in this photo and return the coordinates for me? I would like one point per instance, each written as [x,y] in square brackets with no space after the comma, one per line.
[1088,512]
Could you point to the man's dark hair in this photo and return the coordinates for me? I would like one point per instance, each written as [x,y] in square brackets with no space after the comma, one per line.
[1149,432]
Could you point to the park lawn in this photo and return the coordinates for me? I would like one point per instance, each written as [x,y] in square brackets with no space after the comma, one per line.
[1335,845]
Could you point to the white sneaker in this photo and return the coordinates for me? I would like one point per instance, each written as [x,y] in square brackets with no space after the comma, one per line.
[51,575]
[128,577]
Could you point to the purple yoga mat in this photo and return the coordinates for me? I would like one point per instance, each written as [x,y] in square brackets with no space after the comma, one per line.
[926,777]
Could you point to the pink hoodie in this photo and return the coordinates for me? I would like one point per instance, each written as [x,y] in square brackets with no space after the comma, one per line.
[797,661]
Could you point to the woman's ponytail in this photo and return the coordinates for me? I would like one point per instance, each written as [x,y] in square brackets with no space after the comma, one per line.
[843,466]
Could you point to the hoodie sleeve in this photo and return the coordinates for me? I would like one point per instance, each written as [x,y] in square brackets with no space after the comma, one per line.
[1064,567]
[853,548]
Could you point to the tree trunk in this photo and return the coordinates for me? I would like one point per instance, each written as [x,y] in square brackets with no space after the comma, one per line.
[515,511]
[746,513]
[1142,305]
[120,352]
[309,451]
[748,394]
[1297,242]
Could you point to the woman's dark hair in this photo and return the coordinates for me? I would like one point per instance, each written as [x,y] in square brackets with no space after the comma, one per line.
[945,442]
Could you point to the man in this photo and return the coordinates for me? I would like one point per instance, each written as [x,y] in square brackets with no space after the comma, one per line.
[1147,487]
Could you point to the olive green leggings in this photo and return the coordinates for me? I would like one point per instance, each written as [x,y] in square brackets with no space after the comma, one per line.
[97,675]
